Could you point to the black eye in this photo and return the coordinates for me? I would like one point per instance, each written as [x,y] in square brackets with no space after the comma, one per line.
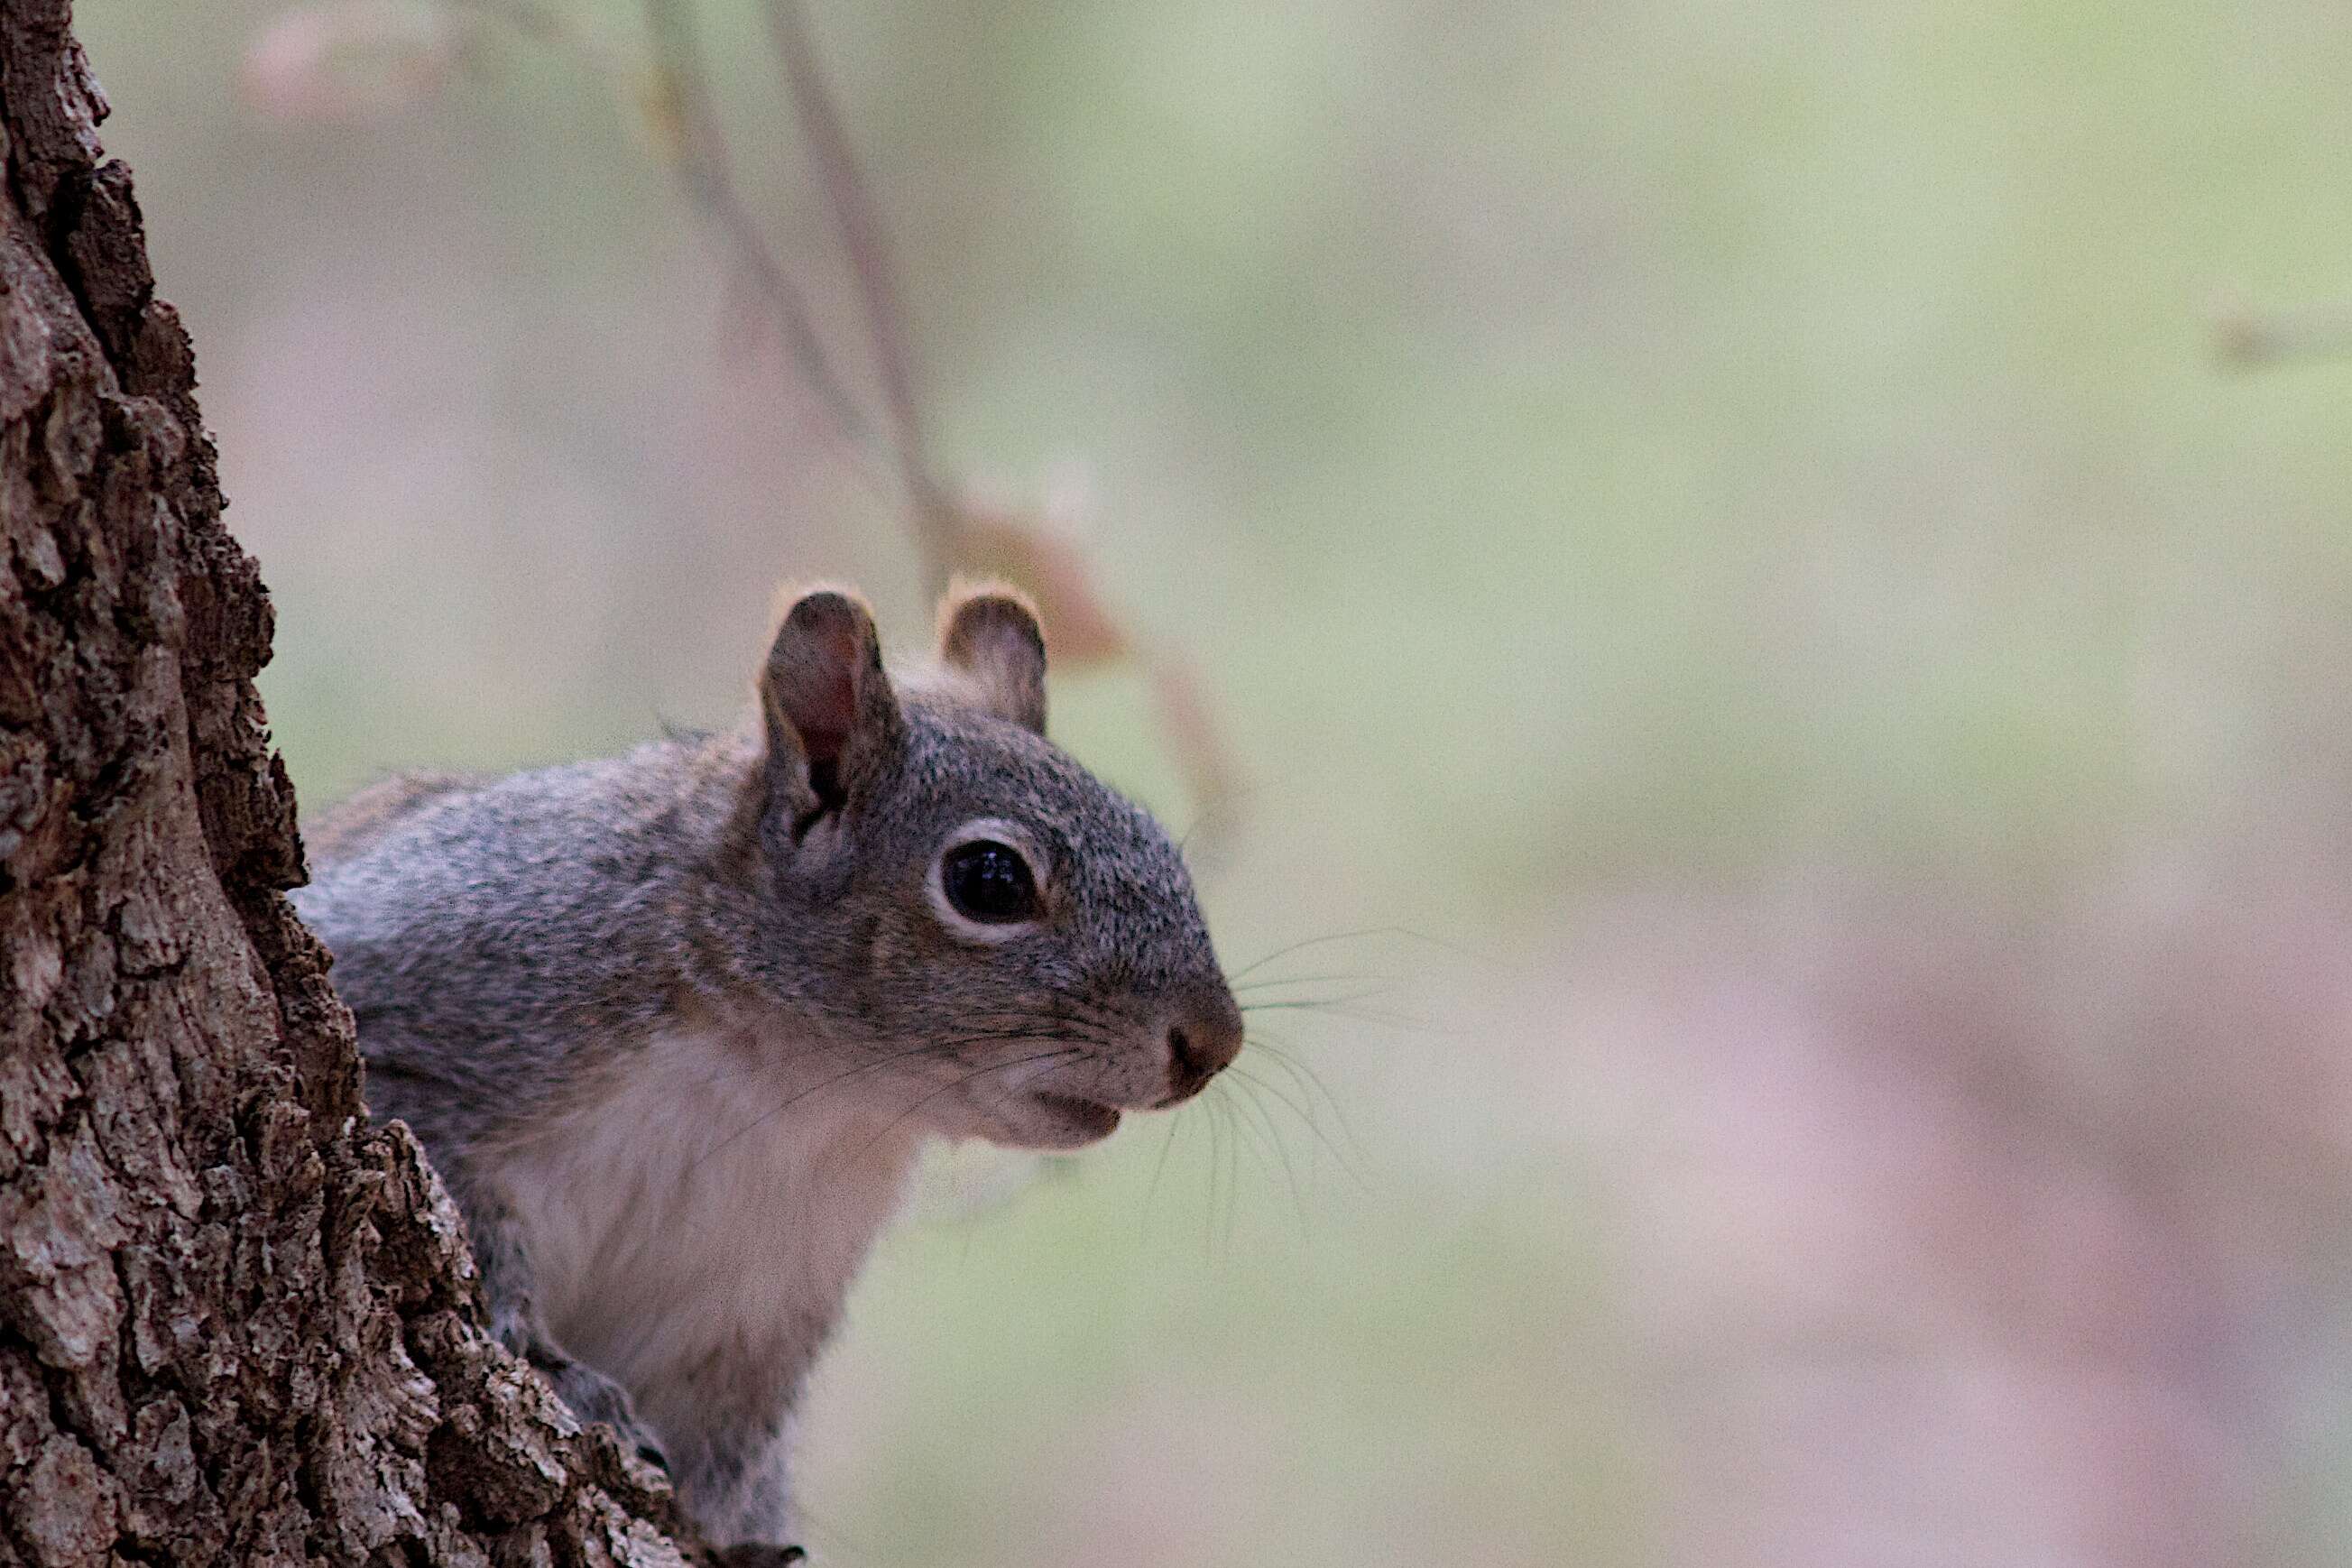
[989,883]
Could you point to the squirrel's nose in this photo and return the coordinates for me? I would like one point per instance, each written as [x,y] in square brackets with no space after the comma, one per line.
[1201,1040]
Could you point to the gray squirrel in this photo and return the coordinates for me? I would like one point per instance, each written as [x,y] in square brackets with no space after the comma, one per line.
[672,1026]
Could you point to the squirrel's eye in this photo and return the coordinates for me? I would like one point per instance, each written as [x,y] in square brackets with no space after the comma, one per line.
[990,882]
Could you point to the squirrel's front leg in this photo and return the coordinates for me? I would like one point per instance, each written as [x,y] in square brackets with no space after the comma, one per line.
[738,1490]
[508,1296]
[734,1487]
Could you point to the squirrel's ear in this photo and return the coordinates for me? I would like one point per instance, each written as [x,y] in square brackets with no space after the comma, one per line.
[832,719]
[989,634]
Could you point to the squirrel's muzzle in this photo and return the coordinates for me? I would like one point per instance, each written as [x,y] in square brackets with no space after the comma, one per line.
[1205,1034]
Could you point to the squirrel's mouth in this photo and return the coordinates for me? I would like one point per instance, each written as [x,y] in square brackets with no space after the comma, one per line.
[1086,1119]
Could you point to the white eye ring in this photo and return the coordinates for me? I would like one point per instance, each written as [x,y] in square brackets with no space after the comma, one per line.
[994,828]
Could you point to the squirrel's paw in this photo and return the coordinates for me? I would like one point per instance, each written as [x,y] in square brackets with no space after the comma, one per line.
[759,1554]
[593,1397]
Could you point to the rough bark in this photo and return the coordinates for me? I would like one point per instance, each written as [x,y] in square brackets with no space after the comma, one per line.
[237,1321]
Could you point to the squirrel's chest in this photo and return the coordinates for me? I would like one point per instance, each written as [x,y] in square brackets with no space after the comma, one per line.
[693,1229]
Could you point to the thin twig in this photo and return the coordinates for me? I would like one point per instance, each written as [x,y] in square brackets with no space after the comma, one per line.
[948,533]
[708,182]
[859,220]
[545,25]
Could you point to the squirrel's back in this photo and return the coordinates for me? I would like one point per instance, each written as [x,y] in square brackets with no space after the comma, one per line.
[435,892]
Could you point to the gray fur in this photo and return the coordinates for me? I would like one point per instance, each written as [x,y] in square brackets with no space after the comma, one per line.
[628,1003]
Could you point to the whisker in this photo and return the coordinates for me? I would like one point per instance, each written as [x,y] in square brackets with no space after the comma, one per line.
[1234,1171]
[1303,1076]
[1301,1112]
[1310,1003]
[968,1078]
[1263,981]
[1349,1008]
[1306,1004]
[1274,1137]
[1217,1134]
[794,1098]
[1346,936]
[1222,1201]
[1037,1037]
[930,1047]
[1159,1166]
[1037,1020]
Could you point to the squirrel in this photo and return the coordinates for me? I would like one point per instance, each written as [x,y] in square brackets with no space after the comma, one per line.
[673,1027]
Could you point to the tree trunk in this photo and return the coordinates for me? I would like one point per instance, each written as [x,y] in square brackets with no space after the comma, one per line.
[237,1323]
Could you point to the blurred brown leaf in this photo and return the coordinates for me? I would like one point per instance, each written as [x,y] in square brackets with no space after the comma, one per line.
[1084,632]
[348,61]
[1081,632]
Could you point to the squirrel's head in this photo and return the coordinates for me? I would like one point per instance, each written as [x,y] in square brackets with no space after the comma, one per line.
[1017,944]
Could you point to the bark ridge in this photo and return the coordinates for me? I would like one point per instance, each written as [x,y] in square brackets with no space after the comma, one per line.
[237,1321]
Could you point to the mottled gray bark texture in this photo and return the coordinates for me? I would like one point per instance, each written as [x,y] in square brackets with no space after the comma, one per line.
[237,1323]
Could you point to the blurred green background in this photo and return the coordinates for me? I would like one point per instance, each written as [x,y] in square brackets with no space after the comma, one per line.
[1717,533]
